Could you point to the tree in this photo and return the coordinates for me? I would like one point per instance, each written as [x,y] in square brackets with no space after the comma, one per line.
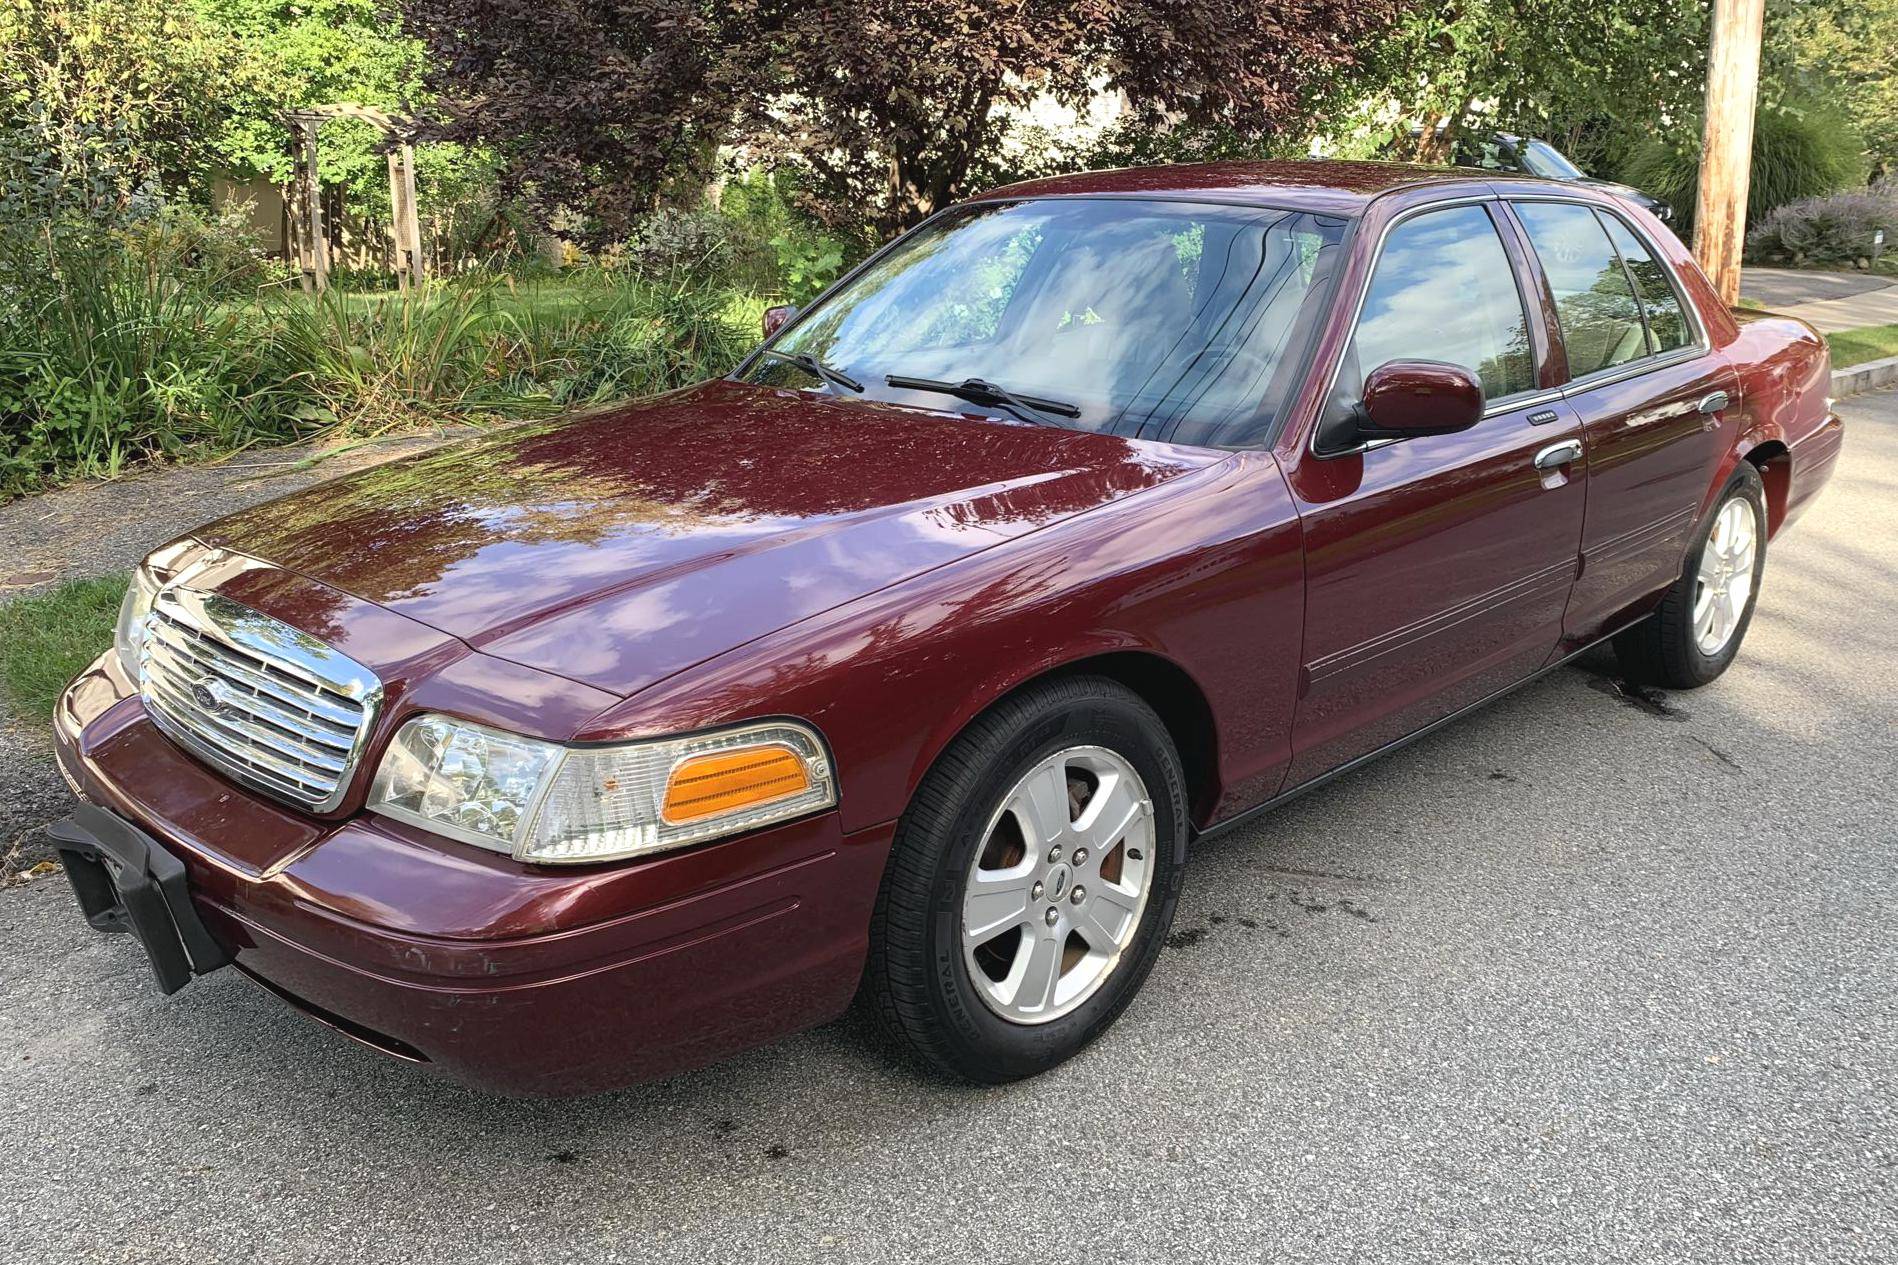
[885,107]
[1552,68]
[299,53]
[102,101]
[1844,52]
[592,106]
[890,105]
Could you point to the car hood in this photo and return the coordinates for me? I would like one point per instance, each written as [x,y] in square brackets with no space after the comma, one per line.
[618,548]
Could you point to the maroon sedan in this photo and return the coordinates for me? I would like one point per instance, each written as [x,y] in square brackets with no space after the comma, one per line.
[1093,516]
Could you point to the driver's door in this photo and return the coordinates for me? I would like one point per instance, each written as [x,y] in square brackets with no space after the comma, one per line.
[1437,568]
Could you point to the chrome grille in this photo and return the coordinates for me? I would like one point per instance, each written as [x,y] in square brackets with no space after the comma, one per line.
[265,703]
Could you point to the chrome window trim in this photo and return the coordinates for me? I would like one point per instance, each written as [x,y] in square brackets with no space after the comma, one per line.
[1506,404]
[1701,346]
[1703,342]
[1633,369]
[291,650]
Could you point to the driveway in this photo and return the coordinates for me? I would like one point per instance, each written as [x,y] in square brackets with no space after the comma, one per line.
[1780,288]
[1828,301]
[1592,976]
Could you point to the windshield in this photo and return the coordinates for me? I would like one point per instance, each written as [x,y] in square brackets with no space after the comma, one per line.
[1545,160]
[1165,320]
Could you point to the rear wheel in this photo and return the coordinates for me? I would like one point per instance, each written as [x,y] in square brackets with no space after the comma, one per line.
[1697,630]
[1031,883]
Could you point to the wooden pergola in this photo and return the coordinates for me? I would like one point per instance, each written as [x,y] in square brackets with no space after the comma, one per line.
[306,207]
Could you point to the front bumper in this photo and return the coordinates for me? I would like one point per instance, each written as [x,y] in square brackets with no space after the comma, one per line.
[516,979]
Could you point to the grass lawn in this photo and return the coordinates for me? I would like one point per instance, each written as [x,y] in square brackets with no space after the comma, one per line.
[47,637]
[1856,346]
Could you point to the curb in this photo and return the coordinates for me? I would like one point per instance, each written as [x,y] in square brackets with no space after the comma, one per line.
[1866,377]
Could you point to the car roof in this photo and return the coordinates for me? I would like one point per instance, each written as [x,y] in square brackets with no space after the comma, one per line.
[1323,185]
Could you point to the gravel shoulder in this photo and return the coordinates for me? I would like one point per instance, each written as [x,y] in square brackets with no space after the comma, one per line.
[1588,977]
[99,528]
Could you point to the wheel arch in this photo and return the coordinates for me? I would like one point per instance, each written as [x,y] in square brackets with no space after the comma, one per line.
[1774,460]
[1159,681]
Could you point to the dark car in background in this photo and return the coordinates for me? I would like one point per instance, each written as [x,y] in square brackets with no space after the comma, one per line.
[1529,156]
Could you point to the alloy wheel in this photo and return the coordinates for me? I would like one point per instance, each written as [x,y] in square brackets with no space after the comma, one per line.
[1725,576]
[1059,884]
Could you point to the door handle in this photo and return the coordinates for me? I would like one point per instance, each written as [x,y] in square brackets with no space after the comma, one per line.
[1559,454]
[1712,402]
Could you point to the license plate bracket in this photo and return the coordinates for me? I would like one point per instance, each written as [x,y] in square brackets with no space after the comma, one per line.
[126,882]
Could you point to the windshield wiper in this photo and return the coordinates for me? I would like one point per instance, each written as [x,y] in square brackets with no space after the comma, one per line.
[816,368]
[1029,408]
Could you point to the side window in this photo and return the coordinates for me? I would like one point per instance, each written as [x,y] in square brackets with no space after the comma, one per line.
[1444,290]
[1601,322]
[1666,324]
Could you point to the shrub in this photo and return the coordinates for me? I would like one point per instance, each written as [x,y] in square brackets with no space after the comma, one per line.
[616,342]
[777,249]
[373,362]
[672,244]
[1837,228]
[1798,152]
[116,347]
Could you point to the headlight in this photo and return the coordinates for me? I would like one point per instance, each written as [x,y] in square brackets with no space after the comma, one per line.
[135,611]
[548,803]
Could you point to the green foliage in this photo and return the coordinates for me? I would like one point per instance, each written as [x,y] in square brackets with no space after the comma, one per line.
[47,638]
[133,351]
[1845,51]
[601,342]
[474,347]
[676,244]
[103,103]
[776,246]
[376,362]
[808,263]
[1799,151]
[118,348]
[1550,68]
[295,53]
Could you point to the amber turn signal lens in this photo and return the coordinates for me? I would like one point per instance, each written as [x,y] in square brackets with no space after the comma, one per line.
[725,781]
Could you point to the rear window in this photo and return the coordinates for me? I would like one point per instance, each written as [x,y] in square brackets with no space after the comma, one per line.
[1602,325]
[1667,324]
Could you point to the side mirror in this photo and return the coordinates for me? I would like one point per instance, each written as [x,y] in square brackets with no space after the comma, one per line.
[776,318]
[1405,398]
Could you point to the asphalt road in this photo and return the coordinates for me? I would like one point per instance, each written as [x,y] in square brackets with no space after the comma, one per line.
[1585,978]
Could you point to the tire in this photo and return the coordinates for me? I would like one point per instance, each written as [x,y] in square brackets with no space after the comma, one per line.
[1666,648]
[928,990]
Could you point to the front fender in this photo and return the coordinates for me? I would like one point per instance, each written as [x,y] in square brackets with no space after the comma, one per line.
[1204,572]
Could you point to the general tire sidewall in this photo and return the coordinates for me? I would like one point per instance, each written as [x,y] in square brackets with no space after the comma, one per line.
[1016,1049]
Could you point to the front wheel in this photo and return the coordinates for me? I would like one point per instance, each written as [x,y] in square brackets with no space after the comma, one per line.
[1031,882]
[1697,630]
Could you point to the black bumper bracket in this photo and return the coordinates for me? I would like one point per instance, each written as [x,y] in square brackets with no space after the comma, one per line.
[126,881]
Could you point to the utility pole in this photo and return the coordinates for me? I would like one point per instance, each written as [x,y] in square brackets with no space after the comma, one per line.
[1726,157]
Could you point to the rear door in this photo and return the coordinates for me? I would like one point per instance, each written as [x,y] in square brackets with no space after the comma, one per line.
[1437,568]
[1649,391]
